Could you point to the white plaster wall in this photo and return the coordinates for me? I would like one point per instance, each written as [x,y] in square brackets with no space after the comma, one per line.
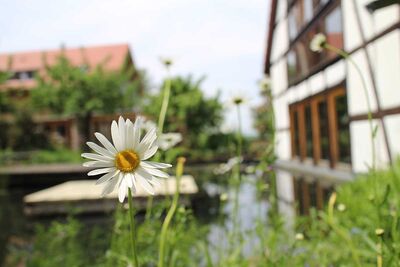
[291,95]
[367,19]
[303,90]
[385,57]
[356,94]
[281,110]
[335,73]
[371,24]
[352,36]
[392,124]
[280,40]
[361,146]
[281,10]
[316,83]
[384,18]
[283,149]
[374,23]
[279,79]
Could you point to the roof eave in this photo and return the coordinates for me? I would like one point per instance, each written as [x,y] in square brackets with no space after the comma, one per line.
[271,26]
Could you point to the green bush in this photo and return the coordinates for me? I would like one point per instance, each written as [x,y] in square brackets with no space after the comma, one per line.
[59,155]
[56,155]
[344,234]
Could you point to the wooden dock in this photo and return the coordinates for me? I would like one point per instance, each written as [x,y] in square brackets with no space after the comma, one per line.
[83,196]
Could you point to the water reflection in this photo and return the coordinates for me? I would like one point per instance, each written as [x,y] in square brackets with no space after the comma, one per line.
[208,209]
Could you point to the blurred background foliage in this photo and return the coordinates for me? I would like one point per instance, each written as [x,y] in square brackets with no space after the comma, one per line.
[195,116]
[80,92]
[69,90]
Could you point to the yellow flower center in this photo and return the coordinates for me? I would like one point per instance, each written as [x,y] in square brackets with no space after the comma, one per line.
[127,161]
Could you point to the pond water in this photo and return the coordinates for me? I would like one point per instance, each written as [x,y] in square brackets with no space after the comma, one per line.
[210,210]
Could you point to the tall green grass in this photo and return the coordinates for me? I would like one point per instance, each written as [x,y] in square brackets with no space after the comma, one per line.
[344,236]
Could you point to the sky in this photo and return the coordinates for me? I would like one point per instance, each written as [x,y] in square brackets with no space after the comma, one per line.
[223,40]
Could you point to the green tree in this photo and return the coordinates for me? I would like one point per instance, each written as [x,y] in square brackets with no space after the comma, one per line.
[4,101]
[189,111]
[81,92]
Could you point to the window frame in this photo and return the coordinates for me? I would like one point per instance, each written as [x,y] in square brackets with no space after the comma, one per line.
[298,109]
[302,36]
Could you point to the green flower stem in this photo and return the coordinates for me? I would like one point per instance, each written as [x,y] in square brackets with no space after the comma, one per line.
[164,106]
[339,231]
[133,230]
[379,258]
[149,206]
[346,56]
[160,127]
[239,134]
[237,176]
[170,214]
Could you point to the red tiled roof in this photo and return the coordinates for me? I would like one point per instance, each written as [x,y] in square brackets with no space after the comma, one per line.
[112,57]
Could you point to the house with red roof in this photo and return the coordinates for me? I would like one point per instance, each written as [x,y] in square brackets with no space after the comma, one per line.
[24,66]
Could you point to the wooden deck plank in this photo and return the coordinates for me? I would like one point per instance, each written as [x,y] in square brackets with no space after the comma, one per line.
[85,195]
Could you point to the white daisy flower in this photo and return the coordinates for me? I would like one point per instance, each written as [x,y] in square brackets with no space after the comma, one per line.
[165,141]
[299,236]
[124,162]
[318,42]
[168,140]
[238,98]
[226,167]
[264,83]
[166,61]
[147,125]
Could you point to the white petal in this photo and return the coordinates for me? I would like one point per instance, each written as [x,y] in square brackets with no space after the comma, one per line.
[107,177]
[133,182]
[152,164]
[122,131]
[109,187]
[136,132]
[149,153]
[100,150]
[101,171]
[128,180]
[143,182]
[122,190]
[116,136]
[147,140]
[154,181]
[95,157]
[98,164]
[107,144]
[129,138]
[156,172]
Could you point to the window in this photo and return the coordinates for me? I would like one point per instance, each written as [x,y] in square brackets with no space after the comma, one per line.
[300,13]
[292,65]
[301,61]
[309,138]
[310,194]
[323,129]
[320,128]
[343,131]
[295,132]
[23,75]
[333,30]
